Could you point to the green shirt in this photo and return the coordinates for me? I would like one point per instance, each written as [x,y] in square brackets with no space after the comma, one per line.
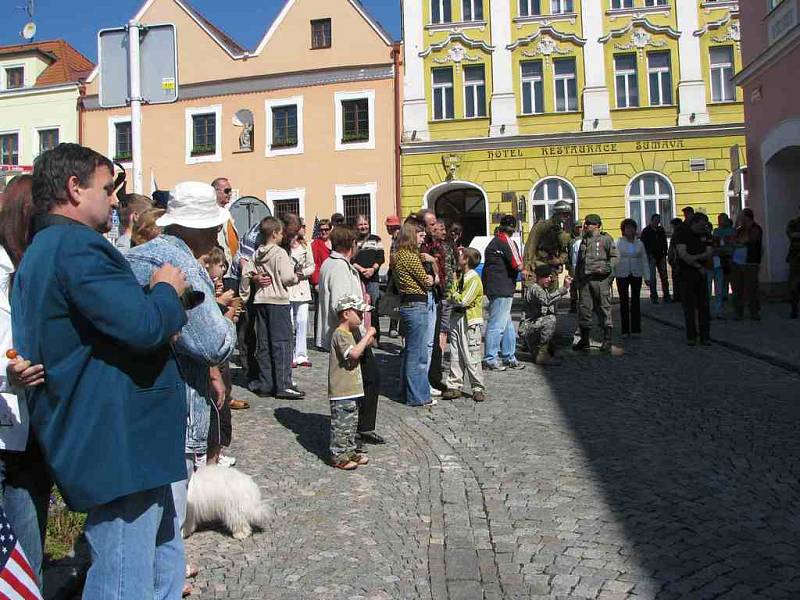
[344,373]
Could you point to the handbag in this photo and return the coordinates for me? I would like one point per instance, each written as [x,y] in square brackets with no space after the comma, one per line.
[389,304]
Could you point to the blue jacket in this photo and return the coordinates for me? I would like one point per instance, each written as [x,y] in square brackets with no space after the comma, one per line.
[208,338]
[110,417]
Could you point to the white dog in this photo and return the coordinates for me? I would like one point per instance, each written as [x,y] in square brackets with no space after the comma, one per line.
[222,494]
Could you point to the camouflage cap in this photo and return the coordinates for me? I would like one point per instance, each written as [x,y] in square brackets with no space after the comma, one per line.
[350,301]
[593,219]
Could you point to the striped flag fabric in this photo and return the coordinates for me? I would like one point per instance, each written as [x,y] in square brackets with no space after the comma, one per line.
[316,233]
[17,581]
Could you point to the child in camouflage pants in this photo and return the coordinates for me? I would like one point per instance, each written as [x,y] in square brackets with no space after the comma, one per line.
[345,386]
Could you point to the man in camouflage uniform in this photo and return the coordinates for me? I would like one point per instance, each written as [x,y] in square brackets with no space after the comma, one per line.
[594,274]
[538,326]
[548,242]
[793,258]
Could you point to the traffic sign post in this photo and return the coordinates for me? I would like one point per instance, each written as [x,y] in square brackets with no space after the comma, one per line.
[138,65]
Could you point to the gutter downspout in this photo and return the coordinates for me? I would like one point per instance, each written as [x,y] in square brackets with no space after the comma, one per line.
[80,109]
[397,128]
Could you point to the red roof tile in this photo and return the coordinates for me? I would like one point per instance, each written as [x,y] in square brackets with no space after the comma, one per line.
[66,63]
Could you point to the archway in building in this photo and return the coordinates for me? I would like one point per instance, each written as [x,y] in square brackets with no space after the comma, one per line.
[781,182]
[462,202]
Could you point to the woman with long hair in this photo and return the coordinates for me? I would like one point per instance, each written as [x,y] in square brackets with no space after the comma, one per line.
[300,295]
[414,285]
[24,481]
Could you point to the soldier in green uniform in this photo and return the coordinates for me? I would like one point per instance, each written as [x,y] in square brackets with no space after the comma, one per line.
[793,258]
[594,274]
[548,243]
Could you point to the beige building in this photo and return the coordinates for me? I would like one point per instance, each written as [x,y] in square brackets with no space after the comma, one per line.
[305,122]
[40,87]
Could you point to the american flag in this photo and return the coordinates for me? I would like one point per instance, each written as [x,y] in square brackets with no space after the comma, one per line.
[17,581]
[316,234]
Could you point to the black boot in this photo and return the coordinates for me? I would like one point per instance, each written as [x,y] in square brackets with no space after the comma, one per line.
[606,346]
[583,343]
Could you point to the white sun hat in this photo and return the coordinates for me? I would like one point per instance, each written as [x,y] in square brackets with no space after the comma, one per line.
[193,204]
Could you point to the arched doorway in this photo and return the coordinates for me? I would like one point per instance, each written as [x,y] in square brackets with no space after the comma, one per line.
[781,179]
[248,211]
[462,202]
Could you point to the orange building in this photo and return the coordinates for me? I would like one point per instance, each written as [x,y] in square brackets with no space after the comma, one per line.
[305,122]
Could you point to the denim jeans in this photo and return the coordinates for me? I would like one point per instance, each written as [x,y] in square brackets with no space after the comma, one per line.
[137,548]
[416,321]
[501,338]
[26,486]
[719,281]
[430,333]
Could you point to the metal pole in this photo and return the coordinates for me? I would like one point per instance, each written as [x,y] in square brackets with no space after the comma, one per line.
[136,105]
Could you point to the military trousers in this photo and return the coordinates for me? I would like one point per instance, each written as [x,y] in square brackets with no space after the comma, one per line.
[539,333]
[344,420]
[595,298]
[465,354]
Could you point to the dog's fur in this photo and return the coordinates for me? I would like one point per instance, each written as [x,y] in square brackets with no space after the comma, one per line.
[226,495]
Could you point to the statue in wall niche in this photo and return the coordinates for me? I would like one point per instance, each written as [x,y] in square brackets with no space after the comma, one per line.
[451,162]
[244,119]
[246,137]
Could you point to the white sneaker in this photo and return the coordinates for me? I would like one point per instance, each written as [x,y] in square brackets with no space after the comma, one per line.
[435,393]
[435,401]
[226,461]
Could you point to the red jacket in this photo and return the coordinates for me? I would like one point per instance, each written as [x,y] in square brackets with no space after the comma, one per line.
[321,253]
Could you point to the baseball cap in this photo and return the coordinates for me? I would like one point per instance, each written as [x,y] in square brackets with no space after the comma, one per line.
[392,221]
[354,302]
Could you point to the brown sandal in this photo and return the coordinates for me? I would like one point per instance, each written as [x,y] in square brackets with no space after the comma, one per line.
[345,465]
[239,404]
[361,459]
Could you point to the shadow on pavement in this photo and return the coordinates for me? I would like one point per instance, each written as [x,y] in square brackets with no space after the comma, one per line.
[312,430]
[697,455]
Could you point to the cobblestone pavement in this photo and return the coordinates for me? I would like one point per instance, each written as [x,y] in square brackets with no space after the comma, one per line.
[668,473]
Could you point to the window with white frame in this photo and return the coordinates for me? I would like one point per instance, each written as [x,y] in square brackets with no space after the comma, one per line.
[547,193]
[122,141]
[621,3]
[532,87]
[284,126]
[722,89]
[441,11]
[443,99]
[472,10]
[566,84]
[355,120]
[15,78]
[48,139]
[284,202]
[626,78]
[474,91]
[659,70]
[354,200]
[530,8]
[656,2]
[561,7]
[203,134]
[650,194]
[9,149]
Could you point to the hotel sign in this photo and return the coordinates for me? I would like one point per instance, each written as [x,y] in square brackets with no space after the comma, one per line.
[584,149]
[781,20]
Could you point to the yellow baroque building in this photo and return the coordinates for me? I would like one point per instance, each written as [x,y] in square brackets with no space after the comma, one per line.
[625,108]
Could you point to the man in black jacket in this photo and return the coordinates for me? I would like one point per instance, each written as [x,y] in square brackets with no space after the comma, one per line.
[654,239]
[502,264]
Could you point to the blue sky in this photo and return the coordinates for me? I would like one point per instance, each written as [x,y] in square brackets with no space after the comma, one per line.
[78,21]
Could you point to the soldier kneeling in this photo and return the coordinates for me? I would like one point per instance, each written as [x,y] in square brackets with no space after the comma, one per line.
[538,326]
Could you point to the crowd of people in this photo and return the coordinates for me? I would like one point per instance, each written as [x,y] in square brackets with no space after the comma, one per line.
[117,383]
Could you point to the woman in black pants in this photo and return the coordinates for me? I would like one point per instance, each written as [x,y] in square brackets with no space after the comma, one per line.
[633,265]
